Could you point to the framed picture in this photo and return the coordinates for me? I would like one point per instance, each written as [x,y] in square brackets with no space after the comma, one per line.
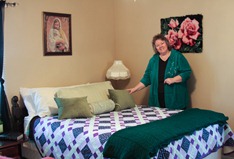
[57,34]
[184,33]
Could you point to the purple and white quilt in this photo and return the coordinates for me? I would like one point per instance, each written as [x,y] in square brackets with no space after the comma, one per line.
[85,138]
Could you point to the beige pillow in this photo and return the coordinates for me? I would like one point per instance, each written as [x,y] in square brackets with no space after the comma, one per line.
[95,91]
[122,99]
[73,108]
[102,106]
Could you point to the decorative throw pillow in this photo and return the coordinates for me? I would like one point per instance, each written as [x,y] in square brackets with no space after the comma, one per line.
[73,108]
[94,91]
[122,99]
[103,106]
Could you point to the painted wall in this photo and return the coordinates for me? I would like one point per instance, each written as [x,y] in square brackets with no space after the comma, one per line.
[105,30]
[211,84]
[92,44]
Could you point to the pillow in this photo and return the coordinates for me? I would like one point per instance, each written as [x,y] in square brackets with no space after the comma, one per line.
[95,92]
[73,108]
[102,106]
[40,101]
[43,99]
[122,99]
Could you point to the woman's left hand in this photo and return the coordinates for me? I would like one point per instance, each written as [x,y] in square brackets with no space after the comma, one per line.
[169,81]
[176,79]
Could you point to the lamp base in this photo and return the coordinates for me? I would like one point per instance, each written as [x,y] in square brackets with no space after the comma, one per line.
[119,84]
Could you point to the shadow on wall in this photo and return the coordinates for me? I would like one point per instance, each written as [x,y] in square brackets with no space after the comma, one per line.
[120,84]
[145,96]
[191,87]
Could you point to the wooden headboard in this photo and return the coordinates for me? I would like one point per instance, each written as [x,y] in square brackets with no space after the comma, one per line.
[18,113]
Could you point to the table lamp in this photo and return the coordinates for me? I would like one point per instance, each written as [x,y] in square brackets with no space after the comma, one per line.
[118,71]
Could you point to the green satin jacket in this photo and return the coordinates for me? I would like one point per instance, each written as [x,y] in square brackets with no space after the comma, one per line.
[176,95]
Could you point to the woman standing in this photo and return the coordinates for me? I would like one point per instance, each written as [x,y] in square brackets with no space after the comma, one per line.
[167,74]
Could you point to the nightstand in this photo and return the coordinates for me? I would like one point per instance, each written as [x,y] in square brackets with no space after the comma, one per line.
[11,148]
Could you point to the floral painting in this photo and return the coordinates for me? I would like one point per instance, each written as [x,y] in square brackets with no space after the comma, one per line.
[184,33]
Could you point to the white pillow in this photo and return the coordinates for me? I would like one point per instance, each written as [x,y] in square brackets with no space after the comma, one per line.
[40,101]
[43,99]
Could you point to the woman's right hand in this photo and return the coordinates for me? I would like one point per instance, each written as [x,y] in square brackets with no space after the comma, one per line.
[130,90]
[138,87]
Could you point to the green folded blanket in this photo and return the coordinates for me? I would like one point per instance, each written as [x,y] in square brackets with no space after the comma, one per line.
[143,141]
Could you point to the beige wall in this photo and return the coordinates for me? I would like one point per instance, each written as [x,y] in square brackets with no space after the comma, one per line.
[211,85]
[103,30]
[92,44]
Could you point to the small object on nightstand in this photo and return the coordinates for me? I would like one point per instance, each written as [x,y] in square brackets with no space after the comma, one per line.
[1,126]
[12,148]
[13,136]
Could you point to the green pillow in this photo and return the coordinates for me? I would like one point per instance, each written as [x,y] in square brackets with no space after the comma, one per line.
[73,108]
[122,99]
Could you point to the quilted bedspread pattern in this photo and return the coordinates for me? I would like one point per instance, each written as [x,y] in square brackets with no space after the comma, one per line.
[145,140]
[86,138]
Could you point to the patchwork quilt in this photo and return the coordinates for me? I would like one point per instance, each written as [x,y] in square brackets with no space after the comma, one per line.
[86,137]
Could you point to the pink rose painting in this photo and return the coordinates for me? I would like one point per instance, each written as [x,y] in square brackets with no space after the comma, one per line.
[184,33]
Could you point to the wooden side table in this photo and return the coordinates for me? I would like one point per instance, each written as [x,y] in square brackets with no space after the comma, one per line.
[12,148]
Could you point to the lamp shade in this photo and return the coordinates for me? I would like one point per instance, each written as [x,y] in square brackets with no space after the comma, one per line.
[118,71]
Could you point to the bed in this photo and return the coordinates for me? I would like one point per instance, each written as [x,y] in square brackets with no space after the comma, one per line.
[54,134]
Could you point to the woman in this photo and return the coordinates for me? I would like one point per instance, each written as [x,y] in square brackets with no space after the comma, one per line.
[167,74]
[57,39]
